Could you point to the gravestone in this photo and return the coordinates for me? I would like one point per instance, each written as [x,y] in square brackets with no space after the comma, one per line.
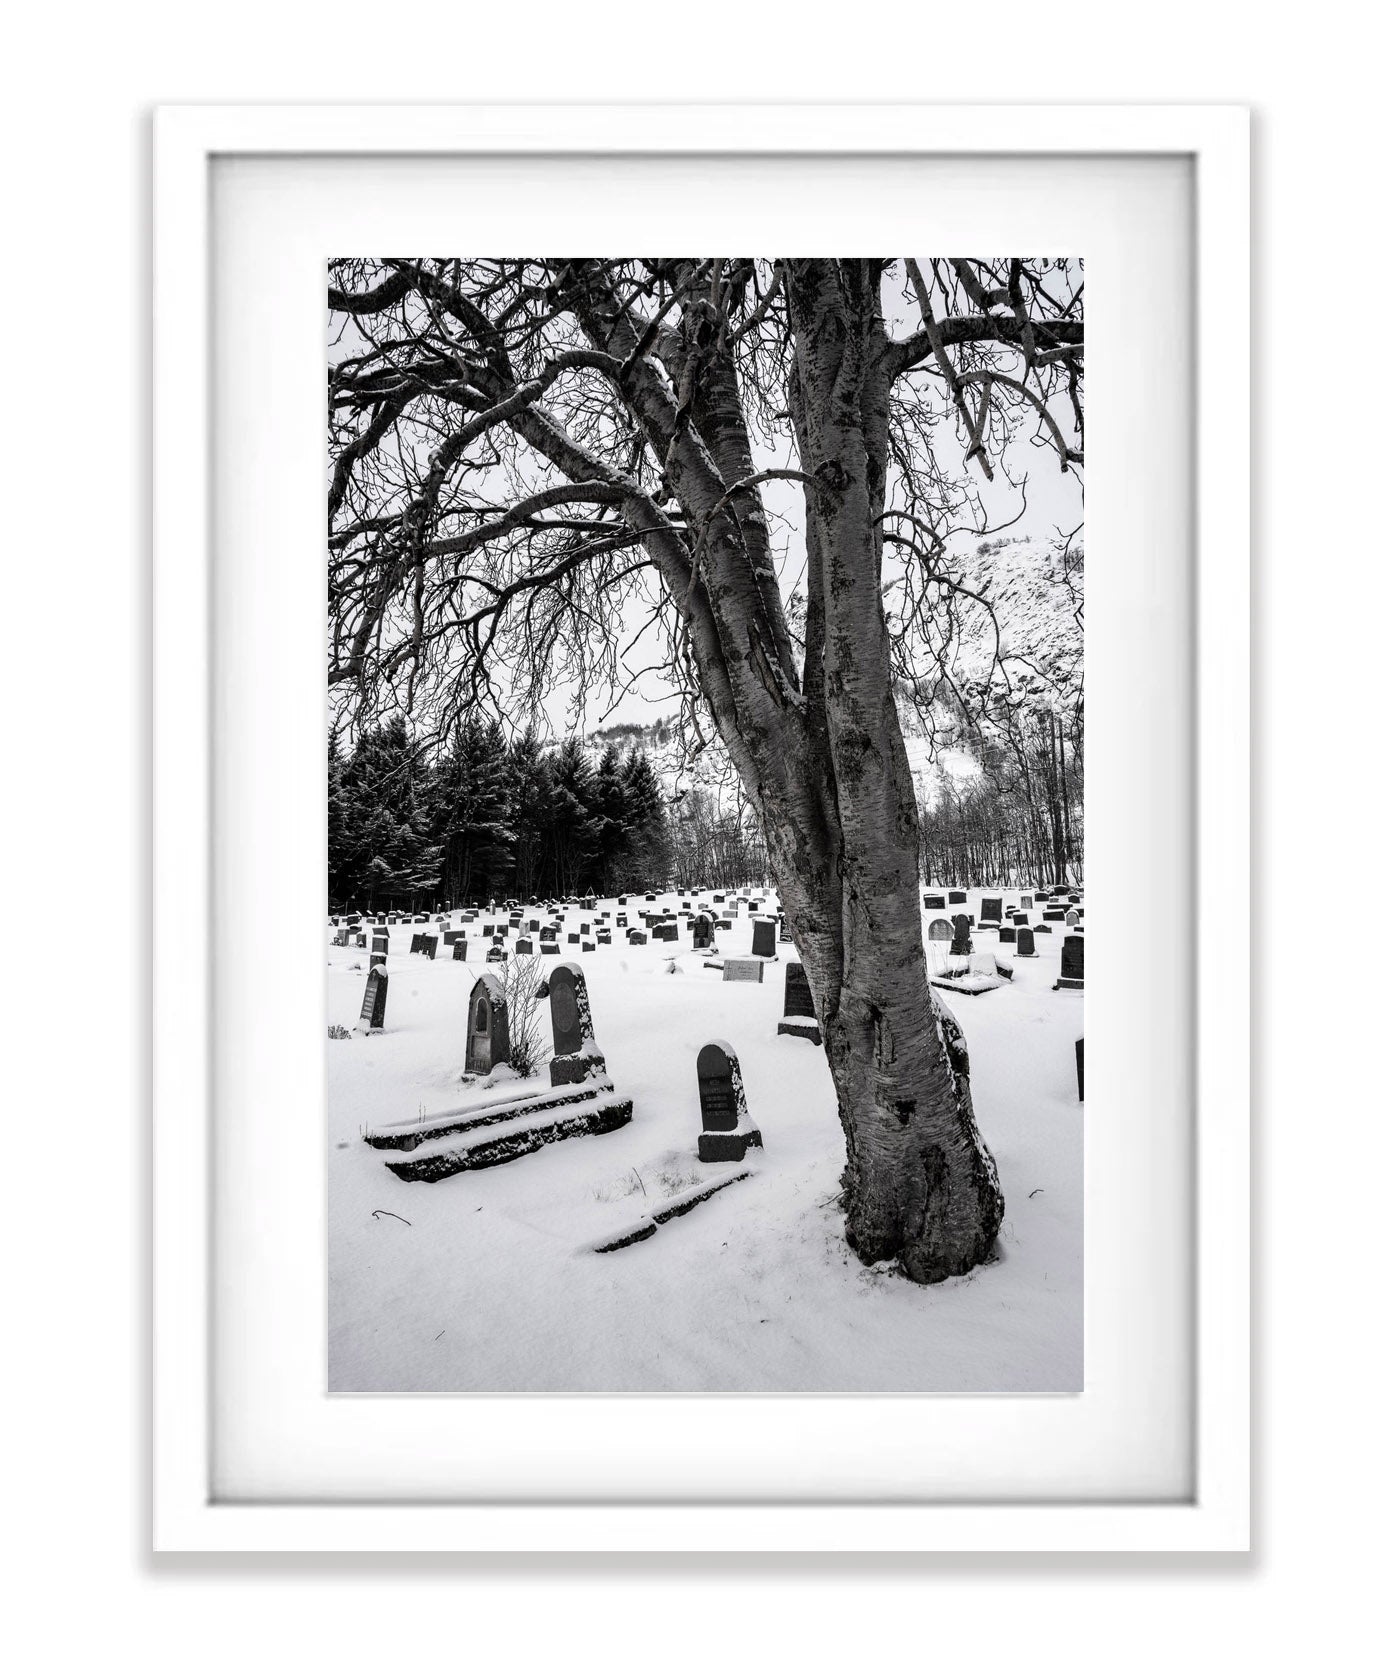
[524,947]
[1042,897]
[1071,918]
[928,902]
[454,936]
[940,931]
[636,936]
[604,936]
[1025,942]
[376,996]
[430,946]
[1055,915]
[572,939]
[668,931]
[416,947]
[381,946]
[1079,1065]
[1071,964]
[940,901]
[957,898]
[726,1134]
[765,935]
[1026,901]
[548,948]
[342,937]
[488,1026]
[991,910]
[576,1056]
[702,933]
[1006,935]
[459,951]
[962,937]
[1020,919]
[743,968]
[799,1011]
[497,953]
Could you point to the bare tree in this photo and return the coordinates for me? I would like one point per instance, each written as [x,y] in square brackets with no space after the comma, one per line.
[538,465]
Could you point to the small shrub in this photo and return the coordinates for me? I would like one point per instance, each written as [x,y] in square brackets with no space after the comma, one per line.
[522,977]
[337,1032]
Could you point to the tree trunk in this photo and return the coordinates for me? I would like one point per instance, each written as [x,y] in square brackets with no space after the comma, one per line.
[822,757]
[919,1185]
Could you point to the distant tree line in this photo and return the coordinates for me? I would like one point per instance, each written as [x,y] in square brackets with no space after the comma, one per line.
[1021,820]
[411,822]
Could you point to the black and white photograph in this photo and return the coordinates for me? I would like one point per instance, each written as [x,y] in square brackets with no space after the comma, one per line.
[706,893]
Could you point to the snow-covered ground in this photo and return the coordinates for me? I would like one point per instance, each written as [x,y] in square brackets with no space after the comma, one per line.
[489,1279]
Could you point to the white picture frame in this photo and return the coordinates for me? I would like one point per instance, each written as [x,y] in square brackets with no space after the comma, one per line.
[189,1514]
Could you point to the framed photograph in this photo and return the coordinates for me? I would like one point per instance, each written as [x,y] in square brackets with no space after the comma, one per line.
[637,739]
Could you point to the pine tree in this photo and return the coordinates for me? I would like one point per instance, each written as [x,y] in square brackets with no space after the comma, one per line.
[648,855]
[613,815]
[574,826]
[390,852]
[473,816]
[531,787]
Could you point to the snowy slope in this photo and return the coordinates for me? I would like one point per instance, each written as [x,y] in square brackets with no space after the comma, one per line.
[1030,646]
[492,1284]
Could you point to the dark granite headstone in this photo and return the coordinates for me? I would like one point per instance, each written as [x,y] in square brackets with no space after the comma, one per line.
[1071,963]
[376,996]
[576,1055]
[459,951]
[991,910]
[799,1011]
[962,937]
[430,943]
[1006,935]
[764,938]
[416,946]
[1079,1065]
[957,898]
[727,1133]
[1025,942]
[524,947]
[702,933]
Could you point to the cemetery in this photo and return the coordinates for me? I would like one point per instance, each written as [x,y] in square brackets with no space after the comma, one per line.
[658,1194]
[706,739]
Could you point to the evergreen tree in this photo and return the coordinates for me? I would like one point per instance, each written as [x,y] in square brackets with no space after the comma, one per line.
[337,823]
[648,856]
[390,852]
[574,825]
[531,786]
[613,814]
[473,816]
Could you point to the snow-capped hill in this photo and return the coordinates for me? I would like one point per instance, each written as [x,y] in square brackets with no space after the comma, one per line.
[1024,637]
